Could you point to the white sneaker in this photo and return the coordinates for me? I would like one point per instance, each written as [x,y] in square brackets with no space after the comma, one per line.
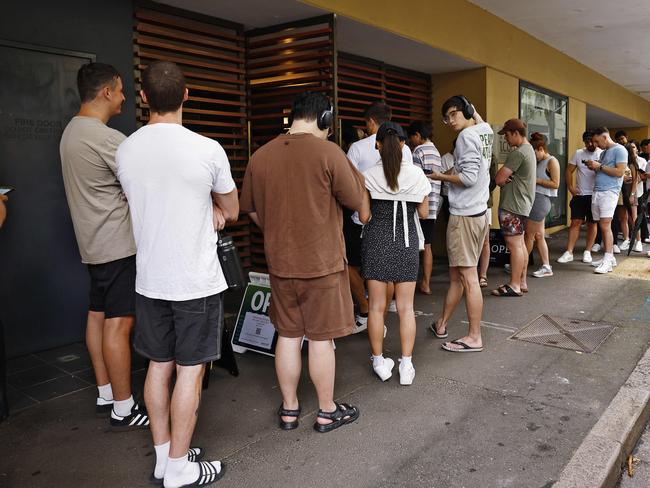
[595,248]
[625,245]
[360,324]
[604,268]
[384,369]
[507,268]
[406,373]
[545,270]
[595,264]
[617,250]
[586,257]
[647,240]
[638,247]
[392,307]
[567,257]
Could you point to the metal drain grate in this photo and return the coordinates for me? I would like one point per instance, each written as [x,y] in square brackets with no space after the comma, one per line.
[573,334]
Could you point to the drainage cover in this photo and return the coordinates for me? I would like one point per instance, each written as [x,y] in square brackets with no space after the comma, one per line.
[573,334]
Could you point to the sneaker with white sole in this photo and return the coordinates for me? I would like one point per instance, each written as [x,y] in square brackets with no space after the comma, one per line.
[137,419]
[567,257]
[647,240]
[544,271]
[392,306]
[638,247]
[617,250]
[586,257]
[406,373]
[625,245]
[597,263]
[595,248]
[604,268]
[360,324]
[384,369]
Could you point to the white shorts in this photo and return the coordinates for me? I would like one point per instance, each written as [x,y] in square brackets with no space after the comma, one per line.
[603,204]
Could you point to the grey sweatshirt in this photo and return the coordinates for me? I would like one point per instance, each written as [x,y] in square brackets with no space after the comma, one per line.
[472,165]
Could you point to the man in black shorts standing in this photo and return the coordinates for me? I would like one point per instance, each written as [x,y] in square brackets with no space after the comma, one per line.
[100,216]
[581,189]
[176,181]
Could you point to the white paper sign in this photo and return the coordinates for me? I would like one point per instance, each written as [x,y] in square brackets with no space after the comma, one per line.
[257,330]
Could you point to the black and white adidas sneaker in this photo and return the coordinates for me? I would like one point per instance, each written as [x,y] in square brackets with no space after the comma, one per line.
[138,419]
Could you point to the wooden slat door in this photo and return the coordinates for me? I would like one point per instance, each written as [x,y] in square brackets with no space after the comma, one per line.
[211,54]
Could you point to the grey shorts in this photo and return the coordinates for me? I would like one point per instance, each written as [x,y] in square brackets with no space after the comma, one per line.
[188,331]
[541,208]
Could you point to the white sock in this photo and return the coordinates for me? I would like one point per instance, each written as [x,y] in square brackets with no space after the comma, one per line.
[181,472]
[123,407]
[377,360]
[406,361]
[162,454]
[105,392]
[609,256]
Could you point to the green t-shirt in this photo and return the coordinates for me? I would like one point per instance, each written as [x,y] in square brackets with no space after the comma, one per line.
[518,195]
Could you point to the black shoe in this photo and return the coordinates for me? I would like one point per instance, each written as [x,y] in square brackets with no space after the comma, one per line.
[138,419]
[103,411]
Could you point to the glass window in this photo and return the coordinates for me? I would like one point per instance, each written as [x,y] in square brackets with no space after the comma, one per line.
[546,112]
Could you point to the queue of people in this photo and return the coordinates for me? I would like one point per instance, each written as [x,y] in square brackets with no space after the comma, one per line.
[339,230]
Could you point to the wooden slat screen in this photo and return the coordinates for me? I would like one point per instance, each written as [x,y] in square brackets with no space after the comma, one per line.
[283,61]
[212,57]
[362,81]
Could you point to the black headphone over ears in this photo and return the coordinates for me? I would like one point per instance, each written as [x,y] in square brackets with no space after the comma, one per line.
[326,119]
[467,108]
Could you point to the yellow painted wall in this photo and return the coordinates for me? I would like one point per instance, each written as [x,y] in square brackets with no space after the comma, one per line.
[492,42]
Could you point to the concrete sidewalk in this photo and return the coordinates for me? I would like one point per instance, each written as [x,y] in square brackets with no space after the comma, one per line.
[511,416]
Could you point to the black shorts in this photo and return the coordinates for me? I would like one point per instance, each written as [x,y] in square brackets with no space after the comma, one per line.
[352,236]
[188,331]
[428,229]
[112,287]
[581,208]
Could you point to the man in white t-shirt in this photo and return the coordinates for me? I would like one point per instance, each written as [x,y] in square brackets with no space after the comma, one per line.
[179,189]
[364,155]
[581,189]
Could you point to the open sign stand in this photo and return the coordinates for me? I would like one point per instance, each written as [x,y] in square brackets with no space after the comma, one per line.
[254,330]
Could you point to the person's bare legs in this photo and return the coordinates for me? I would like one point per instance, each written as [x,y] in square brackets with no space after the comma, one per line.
[390,295]
[378,296]
[484,259]
[116,348]
[452,299]
[288,364]
[621,212]
[517,247]
[157,398]
[607,234]
[633,214]
[185,407]
[474,307]
[358,289]
[592,230]
[574,233]
[322,371]
[404,294]
[542,247]
[427,267]
[94,339]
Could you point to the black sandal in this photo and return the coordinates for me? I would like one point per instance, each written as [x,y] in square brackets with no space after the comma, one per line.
[208,474]
[344,414]
[283,412]
[194,454]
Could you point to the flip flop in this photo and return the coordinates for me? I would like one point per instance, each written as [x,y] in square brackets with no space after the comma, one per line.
[465,347]
[444,334]
[505,291]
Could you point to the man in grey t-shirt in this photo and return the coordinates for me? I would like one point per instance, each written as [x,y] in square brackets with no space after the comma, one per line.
[102,225]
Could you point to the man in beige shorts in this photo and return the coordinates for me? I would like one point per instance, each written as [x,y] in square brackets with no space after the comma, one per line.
[293,190]
[469,183]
